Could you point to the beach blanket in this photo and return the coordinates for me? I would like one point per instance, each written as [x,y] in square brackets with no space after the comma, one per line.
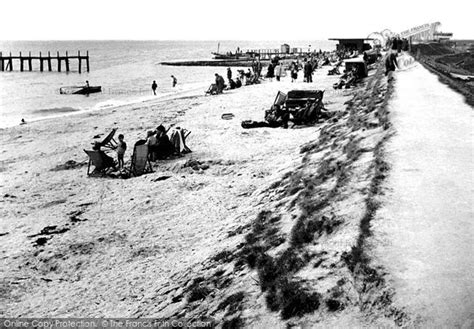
[178,140]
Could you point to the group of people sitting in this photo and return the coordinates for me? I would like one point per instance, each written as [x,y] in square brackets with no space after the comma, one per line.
[348,79]
[219,86]
[280,116]
[161,146]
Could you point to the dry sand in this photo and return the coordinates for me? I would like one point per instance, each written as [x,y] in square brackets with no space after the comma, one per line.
[147,246]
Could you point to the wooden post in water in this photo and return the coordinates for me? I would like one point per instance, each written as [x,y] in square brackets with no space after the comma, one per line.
[10,62]
[59,62]
[30,65]
[87,61]
[49,62]
[80,60]
[21,63]
[41,62]
[67,62]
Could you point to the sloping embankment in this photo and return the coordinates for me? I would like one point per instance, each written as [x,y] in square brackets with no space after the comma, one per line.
[442,61]
[304,259]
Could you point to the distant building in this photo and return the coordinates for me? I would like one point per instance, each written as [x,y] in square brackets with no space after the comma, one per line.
[285,48]
[358,44]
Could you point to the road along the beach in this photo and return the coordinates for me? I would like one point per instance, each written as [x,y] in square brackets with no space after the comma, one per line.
[423,233]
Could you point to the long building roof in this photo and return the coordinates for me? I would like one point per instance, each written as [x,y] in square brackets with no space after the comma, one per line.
[343,39]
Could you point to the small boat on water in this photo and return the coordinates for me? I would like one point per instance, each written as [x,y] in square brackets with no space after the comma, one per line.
[80,90]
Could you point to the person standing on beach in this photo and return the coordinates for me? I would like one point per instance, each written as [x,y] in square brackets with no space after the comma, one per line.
[121,148]
[270,71]
[391,63]
[153,87]
[279,71]
[258,68]
[308,71]
[229,74]
[175,81]
[294,71]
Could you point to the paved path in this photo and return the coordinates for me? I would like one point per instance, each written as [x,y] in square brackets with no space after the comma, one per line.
[423,235]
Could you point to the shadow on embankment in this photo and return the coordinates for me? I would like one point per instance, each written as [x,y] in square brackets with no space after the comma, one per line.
[308,248]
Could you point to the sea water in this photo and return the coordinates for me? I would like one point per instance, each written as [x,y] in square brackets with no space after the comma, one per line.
[124,69]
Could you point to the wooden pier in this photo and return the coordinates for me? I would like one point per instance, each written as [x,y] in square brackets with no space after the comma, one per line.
[6,62]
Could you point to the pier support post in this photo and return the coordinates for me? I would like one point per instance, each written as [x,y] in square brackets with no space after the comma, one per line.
[49,62]
[41,62]
[2,67]
[87,61]
[30,65]
[80,60]
[10,62]
[67,62]
[59,62]
[21,62]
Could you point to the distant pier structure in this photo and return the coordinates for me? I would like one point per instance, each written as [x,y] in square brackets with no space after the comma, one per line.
[45,61]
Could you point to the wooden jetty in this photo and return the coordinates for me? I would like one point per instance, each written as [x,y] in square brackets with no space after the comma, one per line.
[6,62]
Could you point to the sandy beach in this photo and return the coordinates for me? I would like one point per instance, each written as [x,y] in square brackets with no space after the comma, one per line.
[256,227]
[132,247]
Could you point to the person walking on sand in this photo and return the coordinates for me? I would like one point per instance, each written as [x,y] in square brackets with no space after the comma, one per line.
[270,72]
[175,81]
[391,62]
[294,71]
[121,147]
[229,74]
[153,87]
[279,71]
[308,71]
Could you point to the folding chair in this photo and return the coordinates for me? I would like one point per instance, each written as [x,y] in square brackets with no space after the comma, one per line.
[280,99]
[140,163]
[109,141]
[100,161]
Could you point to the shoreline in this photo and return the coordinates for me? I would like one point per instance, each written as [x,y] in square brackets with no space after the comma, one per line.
[144,100]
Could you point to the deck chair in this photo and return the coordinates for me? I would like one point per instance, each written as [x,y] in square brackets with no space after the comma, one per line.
[140,163]
[299,98]
[213,90]
[280,99]
[109,141]
[100,161]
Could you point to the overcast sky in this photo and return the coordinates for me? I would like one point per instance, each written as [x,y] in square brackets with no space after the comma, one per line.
[225,20]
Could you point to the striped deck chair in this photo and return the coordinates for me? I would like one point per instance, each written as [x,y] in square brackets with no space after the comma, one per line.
[100,161]
[140,163]
[280,99]
[109,141]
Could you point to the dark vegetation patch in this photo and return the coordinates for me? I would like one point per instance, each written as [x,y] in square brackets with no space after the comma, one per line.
[233,323]
[197,290]
[238,230]
[291,298]
[233,303]
[224,256]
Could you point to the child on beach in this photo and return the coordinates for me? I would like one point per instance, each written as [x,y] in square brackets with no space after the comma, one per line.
[121,147]
[175,81]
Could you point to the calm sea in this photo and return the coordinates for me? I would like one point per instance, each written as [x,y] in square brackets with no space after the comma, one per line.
[124,69]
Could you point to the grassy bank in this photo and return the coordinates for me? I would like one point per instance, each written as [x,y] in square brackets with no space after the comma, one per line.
[304,259]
